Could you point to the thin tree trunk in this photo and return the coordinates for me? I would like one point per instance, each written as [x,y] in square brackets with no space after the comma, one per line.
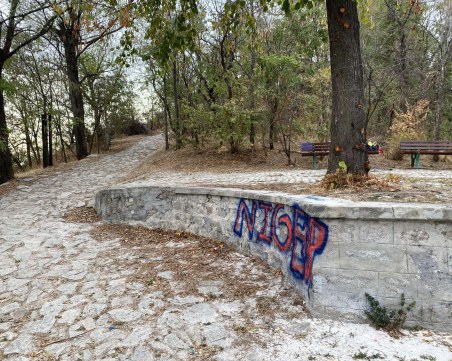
[61,140]
[45,138]
[6,162]
[50,139]
[271,135]
[29,144]
[439,95]
[176,108]
[348,123]
[165,113]
[36,147]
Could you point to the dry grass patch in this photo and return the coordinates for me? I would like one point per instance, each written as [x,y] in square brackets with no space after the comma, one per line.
[82,215]
[198,264]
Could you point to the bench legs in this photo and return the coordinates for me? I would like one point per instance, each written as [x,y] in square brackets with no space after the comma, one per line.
[415,160]
[314,161]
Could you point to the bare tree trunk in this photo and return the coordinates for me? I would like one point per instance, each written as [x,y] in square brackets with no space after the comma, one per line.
[252,83]
[439,99]
[61,139]
[45,138]
[348,123]
[165,113]
[6,162]
[271,135]
[29,146]
[177,127]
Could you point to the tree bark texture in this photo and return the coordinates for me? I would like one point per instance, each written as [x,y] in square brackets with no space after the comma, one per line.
[6,162]
[177,130]
[348,122]
[165,113]
[45,143]
[75,92]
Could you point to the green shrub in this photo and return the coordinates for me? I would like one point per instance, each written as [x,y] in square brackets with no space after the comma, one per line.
[387,319]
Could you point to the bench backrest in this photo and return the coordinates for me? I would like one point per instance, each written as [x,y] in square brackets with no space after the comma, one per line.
[324,148]
[315,147]
[426,146]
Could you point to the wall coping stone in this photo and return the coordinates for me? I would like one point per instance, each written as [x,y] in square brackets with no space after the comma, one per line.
[319,206]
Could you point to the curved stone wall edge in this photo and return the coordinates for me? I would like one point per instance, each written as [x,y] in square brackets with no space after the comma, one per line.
[332,250]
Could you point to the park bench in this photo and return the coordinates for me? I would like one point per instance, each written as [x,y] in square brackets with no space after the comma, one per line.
[321,149]
[417,147]
[315,150]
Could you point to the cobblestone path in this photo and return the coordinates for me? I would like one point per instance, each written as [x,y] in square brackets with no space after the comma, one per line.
[67,296]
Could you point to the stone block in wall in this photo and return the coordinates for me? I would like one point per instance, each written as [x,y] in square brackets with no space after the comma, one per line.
[423,233]
[437,287]
[357,231]
[449,260]
[347,314]
[345,231]
[441,315]
[339,281]
[375,231]
[427,261]
[425,212]
[373,257]
[392,284]
[350,301]
[329,257]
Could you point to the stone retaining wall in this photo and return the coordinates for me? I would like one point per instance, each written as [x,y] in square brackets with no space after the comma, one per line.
[332,250]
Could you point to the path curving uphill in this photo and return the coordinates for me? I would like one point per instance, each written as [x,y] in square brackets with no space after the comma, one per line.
[78,291]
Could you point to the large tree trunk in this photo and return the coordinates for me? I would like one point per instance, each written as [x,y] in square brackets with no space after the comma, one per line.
[348,123]
[76,96]
[6,162]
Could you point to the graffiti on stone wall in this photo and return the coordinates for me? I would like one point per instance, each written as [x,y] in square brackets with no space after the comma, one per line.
[296,233]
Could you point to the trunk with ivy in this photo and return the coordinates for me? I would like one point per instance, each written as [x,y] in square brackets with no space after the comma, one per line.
[348,123]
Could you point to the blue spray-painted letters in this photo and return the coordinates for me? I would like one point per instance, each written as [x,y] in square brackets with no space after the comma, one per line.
[301,236]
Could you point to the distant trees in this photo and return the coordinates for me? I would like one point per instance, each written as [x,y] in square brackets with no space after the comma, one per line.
[407,59]
[79,25]
[21,23]
[49,41]
[239,85]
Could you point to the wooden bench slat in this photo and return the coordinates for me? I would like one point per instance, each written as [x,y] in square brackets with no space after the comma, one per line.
[418,147]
